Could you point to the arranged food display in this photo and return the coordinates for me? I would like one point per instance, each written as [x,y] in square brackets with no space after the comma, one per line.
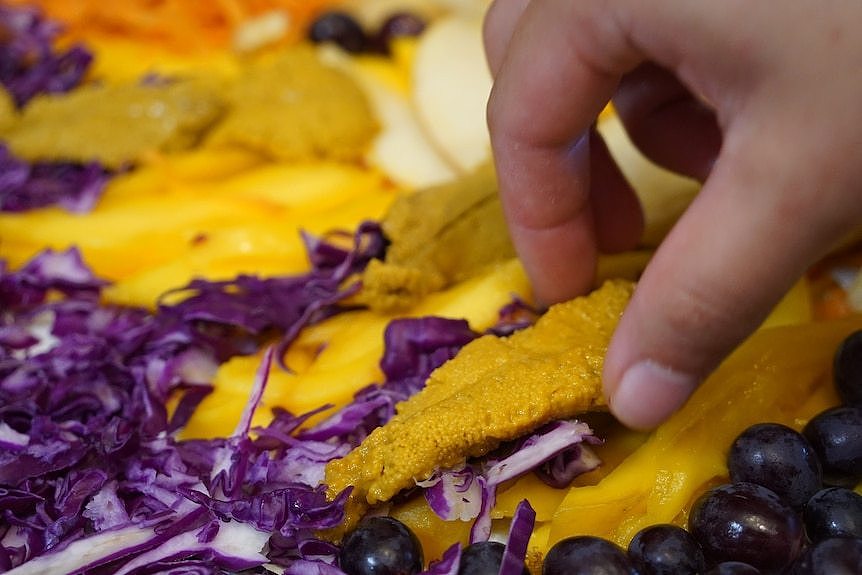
[259,313]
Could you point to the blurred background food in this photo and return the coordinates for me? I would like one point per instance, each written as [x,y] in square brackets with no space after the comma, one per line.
[221,132]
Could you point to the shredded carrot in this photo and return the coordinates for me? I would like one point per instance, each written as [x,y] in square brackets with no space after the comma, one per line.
[182,26]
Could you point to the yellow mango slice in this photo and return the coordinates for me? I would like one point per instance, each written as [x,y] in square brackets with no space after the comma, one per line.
[211,214]
[126,61]
[435,534]
[779,375]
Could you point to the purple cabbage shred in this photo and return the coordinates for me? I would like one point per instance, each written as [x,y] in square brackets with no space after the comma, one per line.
[520,530]
[559,450]
[448,564]
[30,64]
[28,186]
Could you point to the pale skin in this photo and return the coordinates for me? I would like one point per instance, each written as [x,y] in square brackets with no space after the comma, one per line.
[774,134]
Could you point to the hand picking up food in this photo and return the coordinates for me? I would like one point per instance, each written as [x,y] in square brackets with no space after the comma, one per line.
[261,313]
[715,93]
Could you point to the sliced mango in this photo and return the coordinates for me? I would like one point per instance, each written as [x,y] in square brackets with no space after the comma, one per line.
[211,214]
[780,374]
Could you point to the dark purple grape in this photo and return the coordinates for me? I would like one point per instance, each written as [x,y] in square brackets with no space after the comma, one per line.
[833,512]
[586,555]
[746,522]
[778,458]
[666,550]
[847,369]
[733,568]
[483,558]
[836,436]
[398,25]
[839,556]
[340,28]
[381,546]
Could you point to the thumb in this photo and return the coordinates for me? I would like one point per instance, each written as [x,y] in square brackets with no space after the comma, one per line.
[760,220]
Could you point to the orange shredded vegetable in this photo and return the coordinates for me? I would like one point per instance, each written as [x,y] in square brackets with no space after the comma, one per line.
[181,26]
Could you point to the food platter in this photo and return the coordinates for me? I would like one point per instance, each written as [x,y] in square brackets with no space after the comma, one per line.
[248,278]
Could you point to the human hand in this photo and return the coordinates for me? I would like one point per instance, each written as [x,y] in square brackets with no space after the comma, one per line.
[774,133]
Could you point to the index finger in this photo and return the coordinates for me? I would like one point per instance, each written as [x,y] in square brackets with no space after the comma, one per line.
[550,88]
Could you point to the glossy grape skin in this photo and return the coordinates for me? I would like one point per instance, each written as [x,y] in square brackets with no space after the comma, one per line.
[746,522]
[733,568]
[398,25]
[847,369]
[340,28]
[778,458]
[381,546]
[836,436]
[586,555]
[837,556]
[833,512]
[483,558]
[665,550]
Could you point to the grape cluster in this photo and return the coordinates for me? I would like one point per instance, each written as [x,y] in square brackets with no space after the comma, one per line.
[789,507]
[342,29]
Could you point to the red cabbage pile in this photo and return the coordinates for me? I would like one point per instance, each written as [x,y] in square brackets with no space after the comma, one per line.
[29,62]
[25,186]
[88,452]
[93,478]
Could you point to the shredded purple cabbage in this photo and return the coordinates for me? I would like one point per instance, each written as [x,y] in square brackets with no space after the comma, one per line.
[561,439]
[251,307]
[469,491]
[455,494]
[29,62]
[87,443]
[24,186]
[520,530]
[88,453]
[446,565]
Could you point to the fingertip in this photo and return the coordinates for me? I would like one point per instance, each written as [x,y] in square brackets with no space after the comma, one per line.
[619,218]
[499,24]
[648,393]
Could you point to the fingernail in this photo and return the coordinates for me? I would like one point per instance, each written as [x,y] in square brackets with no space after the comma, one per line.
[649,393]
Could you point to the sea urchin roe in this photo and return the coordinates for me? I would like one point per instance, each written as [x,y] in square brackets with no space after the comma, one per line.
[439,236]
[496,389]
[292,106]
[114,124]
